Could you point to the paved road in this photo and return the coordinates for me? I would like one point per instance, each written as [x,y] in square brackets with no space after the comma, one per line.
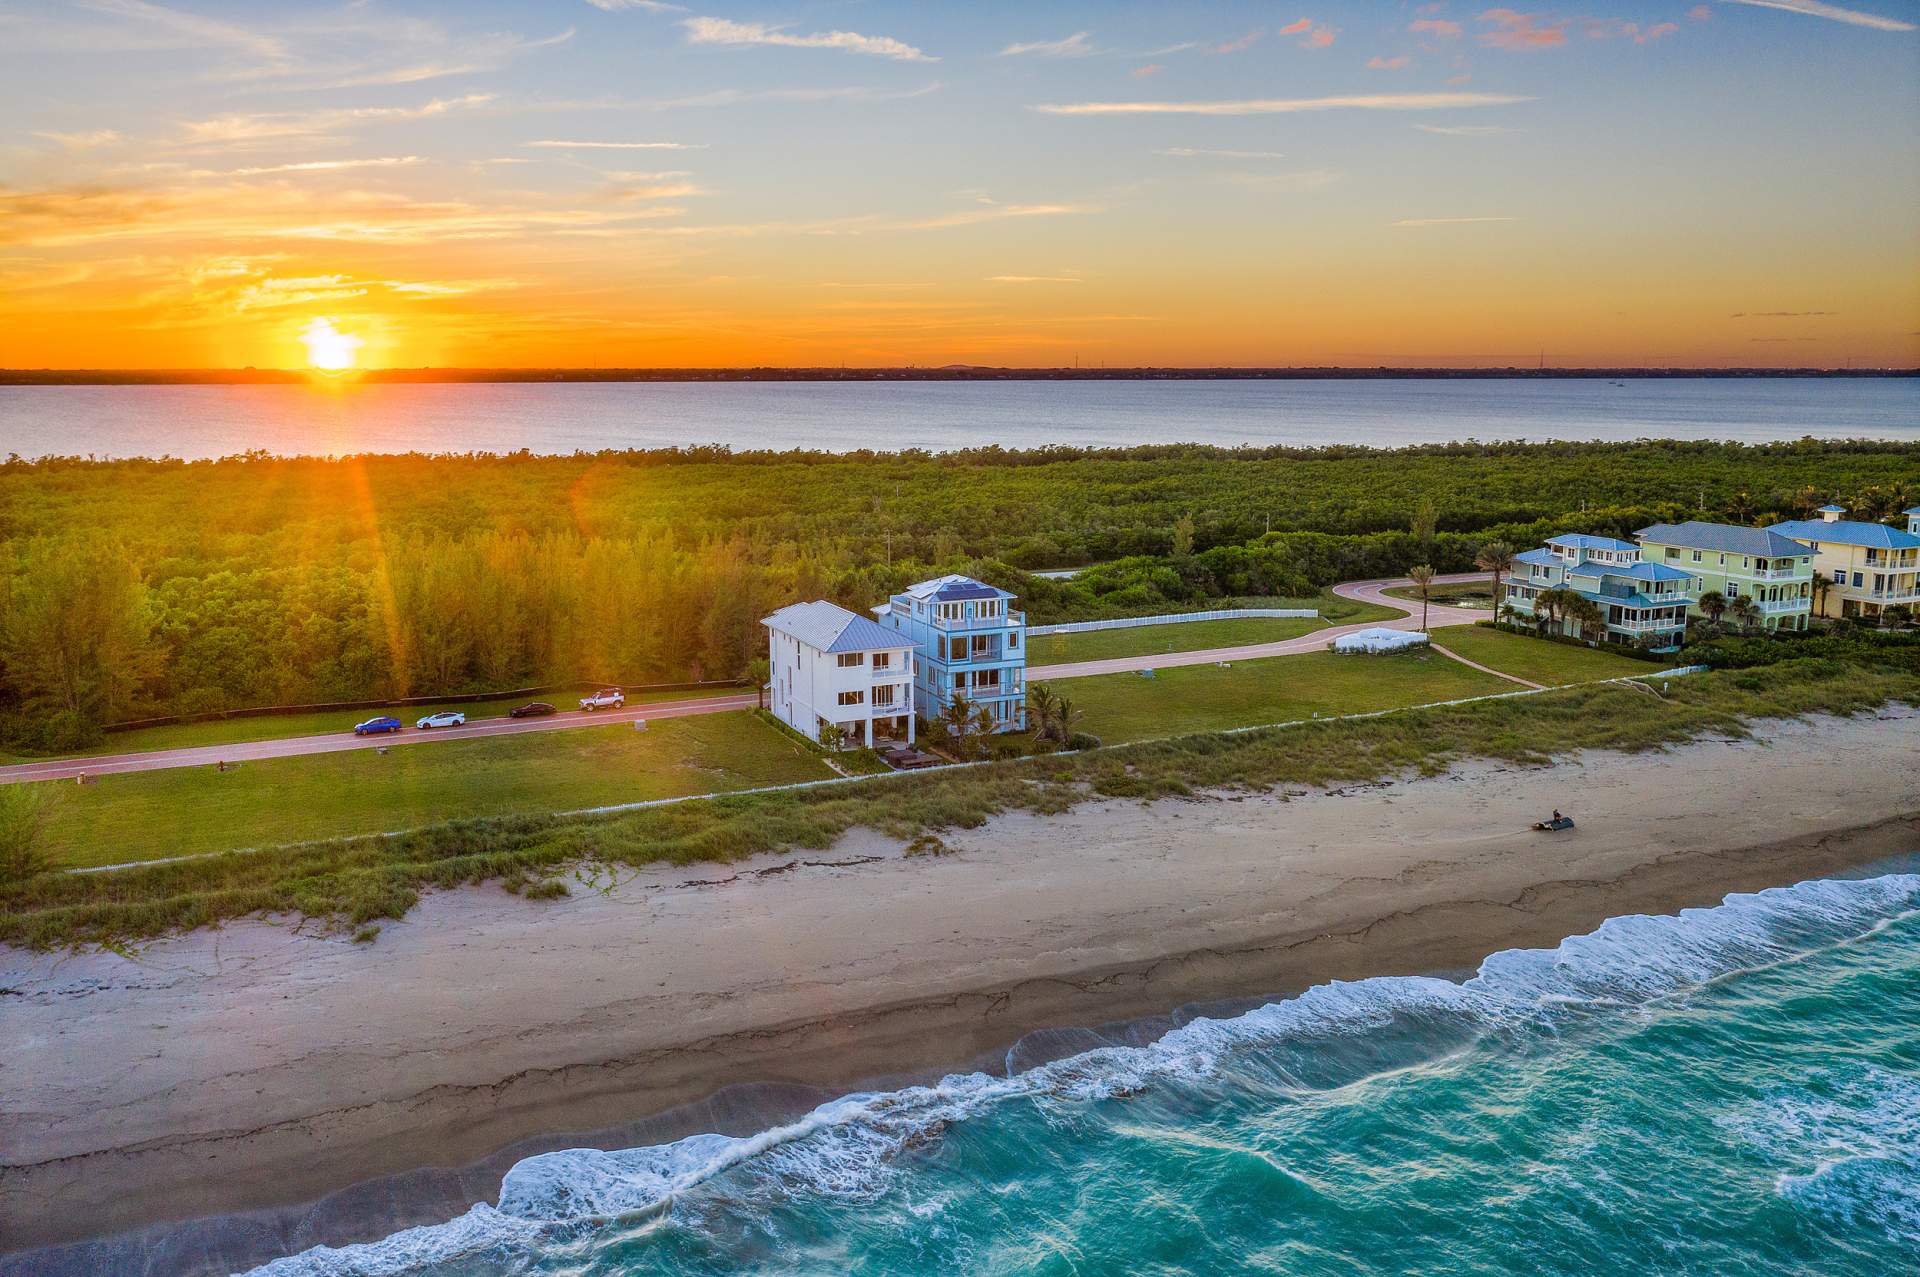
[336,742]
[1363,591]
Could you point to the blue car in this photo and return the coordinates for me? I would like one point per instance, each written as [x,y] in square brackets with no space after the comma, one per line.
[374,726]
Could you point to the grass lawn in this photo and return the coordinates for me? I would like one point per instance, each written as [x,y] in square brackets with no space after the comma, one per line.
[1202,698]
[229,731]
[1182,636]
[1537,659]
[146,815]
[1461,594]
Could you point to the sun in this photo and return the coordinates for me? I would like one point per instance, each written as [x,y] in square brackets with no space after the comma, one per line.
[329,349]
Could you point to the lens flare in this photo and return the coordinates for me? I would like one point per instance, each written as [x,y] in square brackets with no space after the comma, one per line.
[329,349]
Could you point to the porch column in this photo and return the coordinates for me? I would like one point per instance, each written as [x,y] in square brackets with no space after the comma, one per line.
[869,731]
[909,727]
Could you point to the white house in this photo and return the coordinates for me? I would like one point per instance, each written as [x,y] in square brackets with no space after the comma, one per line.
[830,665]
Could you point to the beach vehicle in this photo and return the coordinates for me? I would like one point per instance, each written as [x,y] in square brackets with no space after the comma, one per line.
[375,726]
[605,698]
[532,709]
[1554,825]
[445,718]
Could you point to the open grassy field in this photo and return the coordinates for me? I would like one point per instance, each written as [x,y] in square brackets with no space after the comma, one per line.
[1537,659]
[146,815]
[1183,636]
[1461,594]
[352,881]
[232,731]
[1202,698]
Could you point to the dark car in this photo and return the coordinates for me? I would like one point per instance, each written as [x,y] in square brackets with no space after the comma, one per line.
[374,726]
[533,709]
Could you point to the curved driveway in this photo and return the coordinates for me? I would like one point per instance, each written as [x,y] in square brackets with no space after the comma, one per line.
[1361,591]
[338,742]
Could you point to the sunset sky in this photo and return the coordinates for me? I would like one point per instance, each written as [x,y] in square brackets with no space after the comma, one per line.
[614,182]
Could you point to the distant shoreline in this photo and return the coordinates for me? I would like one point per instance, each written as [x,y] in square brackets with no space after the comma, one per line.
[951,372]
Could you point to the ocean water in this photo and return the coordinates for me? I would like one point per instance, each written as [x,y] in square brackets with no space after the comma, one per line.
[1729,1091]
[338,418]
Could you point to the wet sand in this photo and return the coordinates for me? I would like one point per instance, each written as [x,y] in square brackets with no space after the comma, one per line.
[260,1068]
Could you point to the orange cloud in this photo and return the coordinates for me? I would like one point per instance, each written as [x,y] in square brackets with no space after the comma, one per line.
[1377,63]
[1522,31]
[1435,27]
[1235,46]
[1295,28]
[1152,68]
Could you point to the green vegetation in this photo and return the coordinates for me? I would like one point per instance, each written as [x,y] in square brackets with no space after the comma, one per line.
[352,882]
[186,810]
[133,588]
[1537,659]
[1183,636]
[1459,594]
[1204,698]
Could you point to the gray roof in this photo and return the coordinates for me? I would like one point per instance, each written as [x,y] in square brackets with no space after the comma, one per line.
[1847,532]
[832,628]
[1723,538]
[1584,541]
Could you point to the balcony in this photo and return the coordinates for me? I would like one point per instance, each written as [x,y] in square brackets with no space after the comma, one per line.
[1782,574]
[1776,606]
[1645,626]
[1009,621]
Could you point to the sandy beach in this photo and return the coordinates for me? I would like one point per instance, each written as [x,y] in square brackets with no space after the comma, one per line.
[264,1066]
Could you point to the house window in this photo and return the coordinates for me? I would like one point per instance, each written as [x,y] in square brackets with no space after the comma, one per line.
[853,698]
[1696,556]
[882,660]
[850,659]
[883,697]
[1013,641]
[1857,578]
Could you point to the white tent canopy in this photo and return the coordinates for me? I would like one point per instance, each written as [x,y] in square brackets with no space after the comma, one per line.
[1379,640]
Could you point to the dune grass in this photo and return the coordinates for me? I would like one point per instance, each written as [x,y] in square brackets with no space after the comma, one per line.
[1538,659]
[1202,698]
[355,881]
[187,810]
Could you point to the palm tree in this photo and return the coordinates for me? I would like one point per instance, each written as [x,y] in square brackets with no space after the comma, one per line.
[1495,557]
[1552,605]
[1821,585]
[1896,615]
[1583,614]
[1064,717]
[1745,613]
[1422,578]
[957,718]
[1713,605]
[1043,710]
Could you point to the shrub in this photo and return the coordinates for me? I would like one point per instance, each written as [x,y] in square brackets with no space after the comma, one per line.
[24,812]
[1083,740]
[551,889]
[367,934]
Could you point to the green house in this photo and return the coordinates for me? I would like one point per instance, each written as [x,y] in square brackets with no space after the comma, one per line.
[1774,571]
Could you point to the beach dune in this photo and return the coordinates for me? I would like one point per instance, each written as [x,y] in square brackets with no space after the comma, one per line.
[264,1066]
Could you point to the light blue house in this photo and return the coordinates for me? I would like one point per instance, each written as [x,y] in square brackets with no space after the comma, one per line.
[968,639]
[1643,604]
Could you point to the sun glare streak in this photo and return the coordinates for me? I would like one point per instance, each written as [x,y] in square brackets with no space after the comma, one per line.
[329,349]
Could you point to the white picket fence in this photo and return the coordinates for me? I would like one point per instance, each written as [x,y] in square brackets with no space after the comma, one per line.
[1174,618]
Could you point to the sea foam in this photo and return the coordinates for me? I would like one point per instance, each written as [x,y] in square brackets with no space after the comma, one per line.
[1330,1035]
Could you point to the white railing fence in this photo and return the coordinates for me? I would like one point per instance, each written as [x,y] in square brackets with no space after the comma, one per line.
[1174,618]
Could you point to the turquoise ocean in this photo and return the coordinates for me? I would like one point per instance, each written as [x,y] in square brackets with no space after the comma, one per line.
[1733,1090]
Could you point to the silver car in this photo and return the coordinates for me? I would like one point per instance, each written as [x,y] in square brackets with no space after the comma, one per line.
[446,718]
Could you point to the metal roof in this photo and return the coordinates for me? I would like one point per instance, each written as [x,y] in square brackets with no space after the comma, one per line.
[831,628]
[1724,538]
[1833,509]
[1847,532]
[954,588]
[1581,541]
[1631,571]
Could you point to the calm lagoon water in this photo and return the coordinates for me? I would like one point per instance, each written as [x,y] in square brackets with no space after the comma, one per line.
[1732,1091]
[212,421]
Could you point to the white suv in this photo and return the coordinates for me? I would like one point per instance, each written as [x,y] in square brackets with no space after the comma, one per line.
[610,698]
[446,718]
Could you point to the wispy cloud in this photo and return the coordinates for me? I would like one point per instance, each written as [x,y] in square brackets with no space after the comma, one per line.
[1439,27]
[277,126]
[1285,106]
[1195,151]
[312,166]
[1448,221]
[1077,45]
[1463,130]
[1245,42]
[725,31]
[1782,314]
[86,140]
[560,144]
[645,6]
[1814,9]
[1377,63]
[190,26]
[1034,279]
[1522,31]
